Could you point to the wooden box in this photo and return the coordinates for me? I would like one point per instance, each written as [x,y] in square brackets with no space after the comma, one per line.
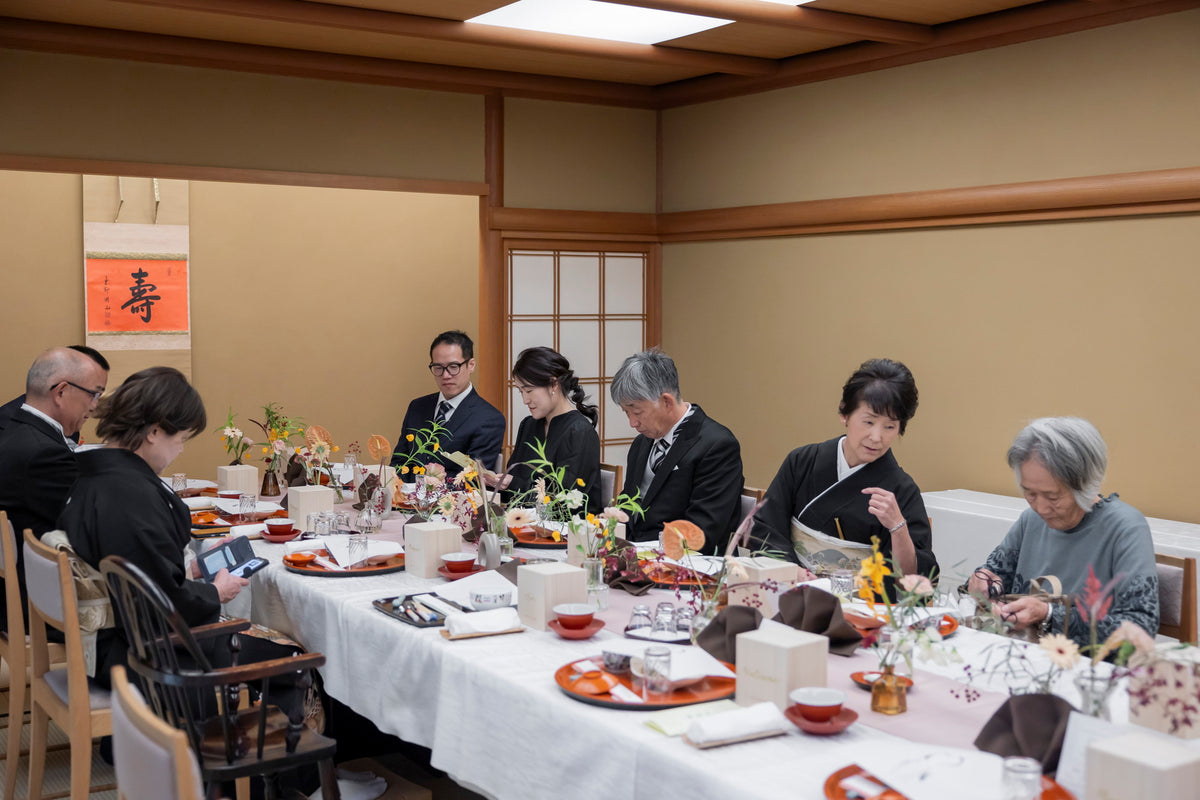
[774,660]
[305,500]
[1161,694]
[540,587]
[759,569]
[1141,766]
[241,478]
[424,545]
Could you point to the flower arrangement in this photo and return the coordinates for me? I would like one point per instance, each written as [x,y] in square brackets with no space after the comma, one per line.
[424,445]
[235,442]
[552,498]
[597,533]
[315,455]
[279,430]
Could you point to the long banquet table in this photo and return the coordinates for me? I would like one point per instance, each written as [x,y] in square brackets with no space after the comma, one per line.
[495,721]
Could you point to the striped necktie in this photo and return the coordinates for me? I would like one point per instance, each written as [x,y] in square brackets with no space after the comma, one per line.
[443,410]
[658,454]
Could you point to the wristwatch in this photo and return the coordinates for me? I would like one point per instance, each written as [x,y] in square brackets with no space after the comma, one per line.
[1044,626]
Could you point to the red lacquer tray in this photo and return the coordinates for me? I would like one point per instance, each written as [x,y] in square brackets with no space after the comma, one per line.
[1050,789]
[706,690]
[528,537]
[393,564]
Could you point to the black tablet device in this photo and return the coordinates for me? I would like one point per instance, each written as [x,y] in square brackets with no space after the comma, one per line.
[235,555]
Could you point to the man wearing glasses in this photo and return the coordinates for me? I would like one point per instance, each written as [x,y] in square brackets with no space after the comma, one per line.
[476,426]
[37,458]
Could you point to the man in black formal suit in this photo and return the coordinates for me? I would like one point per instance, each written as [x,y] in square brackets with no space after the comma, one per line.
[9,409]
[37,459]
[685,464]
[476,426]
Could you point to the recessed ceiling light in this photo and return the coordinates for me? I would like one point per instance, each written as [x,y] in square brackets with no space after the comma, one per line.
[598,20]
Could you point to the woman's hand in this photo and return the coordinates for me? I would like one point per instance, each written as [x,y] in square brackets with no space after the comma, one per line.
[228,586]
[497,481]
[1024,612]
[981,580]
[882,505]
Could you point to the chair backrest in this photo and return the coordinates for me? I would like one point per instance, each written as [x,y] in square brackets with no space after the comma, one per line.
[12,587]
[750,498]
[152,759]
[1176,597]
[51,593]
[610,482]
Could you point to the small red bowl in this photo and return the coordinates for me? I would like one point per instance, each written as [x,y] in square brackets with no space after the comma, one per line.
[459,562]
[574,616]
[228,494]
[299,559]
[818,704]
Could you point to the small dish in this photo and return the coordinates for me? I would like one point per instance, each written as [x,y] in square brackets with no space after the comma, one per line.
[595,682]
[843,720]
[299,559]
[866,680]
[586,632]
[453,576]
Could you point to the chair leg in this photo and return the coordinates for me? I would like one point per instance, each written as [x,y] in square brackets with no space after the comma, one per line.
[81,759]
[329,784]
[16,723]
[243,788]
[37,750]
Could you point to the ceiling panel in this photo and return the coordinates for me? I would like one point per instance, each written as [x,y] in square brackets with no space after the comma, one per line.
[764,41]
[924,12]
[445,9]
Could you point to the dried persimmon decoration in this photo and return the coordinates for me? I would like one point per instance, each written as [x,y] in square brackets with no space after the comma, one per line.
[681,536]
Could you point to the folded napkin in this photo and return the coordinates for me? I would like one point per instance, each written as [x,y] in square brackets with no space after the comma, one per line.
[198,503]
[719,637]
[1030,725]
[494,621]
[233,506]
[809,609]
[757,720]
[687,663]
[304,545]
[627,575]
[926,772]
[254,529]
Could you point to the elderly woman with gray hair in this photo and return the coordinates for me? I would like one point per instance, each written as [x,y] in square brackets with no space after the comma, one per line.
[1069,527]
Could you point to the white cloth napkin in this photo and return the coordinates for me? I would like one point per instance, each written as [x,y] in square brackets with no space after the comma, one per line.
[198,503]
[761,718]
[926,772]
[304,545]
[192,483]
[687,663]
[253,531]
[227,506]
[339,548]
[494,621]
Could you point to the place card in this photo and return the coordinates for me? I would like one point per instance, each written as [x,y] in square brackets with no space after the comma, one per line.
[305,500]
[424,545]
[540,587]
[774,660]
[759,569]
[239,478]
[1141,766]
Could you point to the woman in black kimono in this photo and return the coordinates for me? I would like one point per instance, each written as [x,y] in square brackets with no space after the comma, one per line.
[829,499]
[560,417]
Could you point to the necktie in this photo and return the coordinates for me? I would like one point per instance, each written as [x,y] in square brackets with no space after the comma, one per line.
[658,454]
[443,410]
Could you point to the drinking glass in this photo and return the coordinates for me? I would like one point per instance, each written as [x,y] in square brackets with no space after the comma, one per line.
[1022,778]
[842,582]
[639,619]
[358,549]
[656,671]
[664,619]
[179,481]
[318,523]
[247,501]
[684,618]
[339,522]
[597,597]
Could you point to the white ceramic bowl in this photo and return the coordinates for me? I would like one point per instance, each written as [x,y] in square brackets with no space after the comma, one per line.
[484,601]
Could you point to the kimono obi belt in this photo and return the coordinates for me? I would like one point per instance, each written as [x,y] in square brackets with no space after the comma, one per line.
[824,553]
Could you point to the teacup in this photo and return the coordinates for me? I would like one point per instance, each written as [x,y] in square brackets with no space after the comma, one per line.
[817,703]
[229,494]
[575,616]
[459,562]
[280,527]
[483,601]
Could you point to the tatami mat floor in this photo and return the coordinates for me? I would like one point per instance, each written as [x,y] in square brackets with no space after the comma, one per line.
[57,782]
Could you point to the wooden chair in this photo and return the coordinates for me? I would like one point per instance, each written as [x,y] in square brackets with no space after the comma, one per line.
[152,759]
[610,482]
[1176,597]
[185,690]
[64,694]
[750,498]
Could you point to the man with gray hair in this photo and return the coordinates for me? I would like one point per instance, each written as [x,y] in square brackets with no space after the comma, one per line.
[1068,528]
[685,464]
[37,459]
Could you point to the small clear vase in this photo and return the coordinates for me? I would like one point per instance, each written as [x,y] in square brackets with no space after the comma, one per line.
[1094,693]
[270,484]
[889,695]
[597,589]
[702,618]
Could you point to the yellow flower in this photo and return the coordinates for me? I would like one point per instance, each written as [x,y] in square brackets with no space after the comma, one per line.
[301,431]
[579,482]
[419,470]
[404,470]
[436,446]
[556,536]
[410,437]
[873,570]
[1063,651]
[546,499]
[264,451]
[591,518]
[336,448]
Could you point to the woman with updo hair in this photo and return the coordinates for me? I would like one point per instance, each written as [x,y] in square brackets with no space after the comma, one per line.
[560,417]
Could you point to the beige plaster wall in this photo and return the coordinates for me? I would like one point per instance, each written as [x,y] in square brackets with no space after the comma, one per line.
[575,156]
[999,325]
[1118,99]
[324,300]
[101,108]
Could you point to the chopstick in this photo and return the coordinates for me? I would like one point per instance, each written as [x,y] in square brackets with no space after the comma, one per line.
[838,523]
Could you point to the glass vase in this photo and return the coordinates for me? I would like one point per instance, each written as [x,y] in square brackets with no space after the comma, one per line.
[888,694]
[1094,692]
[270,484]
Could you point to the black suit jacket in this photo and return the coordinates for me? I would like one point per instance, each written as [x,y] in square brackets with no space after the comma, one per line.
[700,481]
[37,471]
[476,428]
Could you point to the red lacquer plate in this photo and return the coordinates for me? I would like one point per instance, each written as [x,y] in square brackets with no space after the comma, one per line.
[706,690]
[845,718]
[866,680]
[537,538]
[1050,789]
[393,564]
[454,576]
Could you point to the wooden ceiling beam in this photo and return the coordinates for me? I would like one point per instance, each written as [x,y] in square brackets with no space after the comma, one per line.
[324,15]
[797,17]
[53,37]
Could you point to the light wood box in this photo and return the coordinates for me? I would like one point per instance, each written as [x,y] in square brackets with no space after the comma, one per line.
[424,545]
[774,660]
[540,587]
[240,478]
[305,500]
[758,569]
[1141,766]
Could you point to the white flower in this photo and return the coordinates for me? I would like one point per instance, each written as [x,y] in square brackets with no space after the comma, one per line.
[572,499]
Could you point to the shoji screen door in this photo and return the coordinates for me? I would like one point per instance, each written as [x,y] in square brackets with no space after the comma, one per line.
[589,305]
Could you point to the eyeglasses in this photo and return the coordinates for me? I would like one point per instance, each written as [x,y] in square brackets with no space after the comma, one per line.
[452,368]
[95,394]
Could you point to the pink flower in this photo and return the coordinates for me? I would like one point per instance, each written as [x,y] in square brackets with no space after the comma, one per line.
[614,513]
[435,472]
[917,584]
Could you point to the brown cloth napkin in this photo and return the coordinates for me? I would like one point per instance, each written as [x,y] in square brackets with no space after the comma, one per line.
[627,576]
[719,637]
[807,608]
[1030,725]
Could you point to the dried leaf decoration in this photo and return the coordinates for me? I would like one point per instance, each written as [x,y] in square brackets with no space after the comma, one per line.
[316,435]
[379,448]
[681,535]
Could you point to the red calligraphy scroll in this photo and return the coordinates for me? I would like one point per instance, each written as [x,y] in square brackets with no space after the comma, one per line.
[137,295]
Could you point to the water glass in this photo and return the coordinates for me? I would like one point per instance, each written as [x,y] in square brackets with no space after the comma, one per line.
[656,672]
[506,547]
[684,618]
[358,549]
[339,522]
[179,481]
[842,582]
[664,619]
[247,502]
[1022,778]
[318,523]
[639,619]
[597,597]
